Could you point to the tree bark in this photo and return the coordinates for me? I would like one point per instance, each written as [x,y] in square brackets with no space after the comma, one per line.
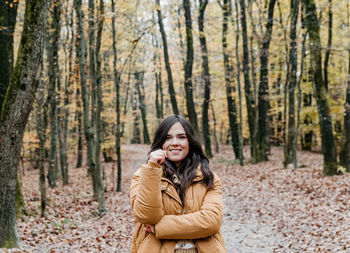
[158,79]
[125,106]
[191,110]
[142,105]
[8,14]
[15,112]
[263,142]
[320,91]
[345,145]
[206,77]
[117,106]
[92,96]
[295,162]
[97,119]
[240,126]
[20,205]
[231,103]
[247,88]
[89,134]
[293,63]
[78,116]
[53,72]
[64,121]
[7,23]
[166,60]
[182,46]
[136,136]
[78,110]
[329,43]
[41,131]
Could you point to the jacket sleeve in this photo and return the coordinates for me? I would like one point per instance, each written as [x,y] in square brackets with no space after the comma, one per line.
[145,194]
[200,224]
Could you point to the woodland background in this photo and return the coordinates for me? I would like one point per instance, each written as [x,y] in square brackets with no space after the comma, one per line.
[83,79]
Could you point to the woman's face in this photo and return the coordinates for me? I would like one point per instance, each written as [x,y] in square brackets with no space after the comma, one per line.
[176,144]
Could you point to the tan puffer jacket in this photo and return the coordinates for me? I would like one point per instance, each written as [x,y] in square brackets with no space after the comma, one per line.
[154,200]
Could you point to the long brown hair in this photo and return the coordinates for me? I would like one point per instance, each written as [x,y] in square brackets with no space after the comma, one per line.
[186,172]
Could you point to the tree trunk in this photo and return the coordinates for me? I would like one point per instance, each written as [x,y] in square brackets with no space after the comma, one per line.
[231,103]
[182,46]
[41,131]
[158,78]
[252,57]
[285,86]
[191,110]
[320,91]
[136,136]
[78,116]
[141,93]
[64,122]
[97,119]
[7,23]
[93,90]
[293,63]
[53,72]
[158,95]
[299,100]
[263,142]
[125,106]
[20,205]
[247,91]
[345,145]
[8,13]
[206,77]
[329,44]
[89,134]
[15,111]
[240,126]
[166,61]
[78,110]
[214,128]
[117,106]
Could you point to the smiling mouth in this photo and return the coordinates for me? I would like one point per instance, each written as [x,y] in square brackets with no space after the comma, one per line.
[174,150]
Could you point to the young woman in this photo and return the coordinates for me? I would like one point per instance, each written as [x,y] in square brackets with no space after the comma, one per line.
[175,197]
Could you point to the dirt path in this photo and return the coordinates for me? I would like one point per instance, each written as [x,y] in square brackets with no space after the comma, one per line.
[242,231]
[246,234]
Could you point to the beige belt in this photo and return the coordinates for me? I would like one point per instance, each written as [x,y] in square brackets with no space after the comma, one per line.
[185,245]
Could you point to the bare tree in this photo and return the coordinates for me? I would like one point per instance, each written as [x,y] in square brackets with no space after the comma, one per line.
[15,112]
[166,60]
[263,93]
[191,110]
[206,77]
[89,133]
[320,91]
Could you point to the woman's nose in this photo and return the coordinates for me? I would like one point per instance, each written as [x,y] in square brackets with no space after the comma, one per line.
[175,141]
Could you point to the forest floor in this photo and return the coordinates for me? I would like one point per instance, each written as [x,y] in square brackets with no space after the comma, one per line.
[267,208]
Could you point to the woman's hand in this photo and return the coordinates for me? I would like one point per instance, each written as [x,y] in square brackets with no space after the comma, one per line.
[157,156]
[149,228]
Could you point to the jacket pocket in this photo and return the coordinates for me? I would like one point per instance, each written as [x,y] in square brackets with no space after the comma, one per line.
[150,244]
[213,243]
